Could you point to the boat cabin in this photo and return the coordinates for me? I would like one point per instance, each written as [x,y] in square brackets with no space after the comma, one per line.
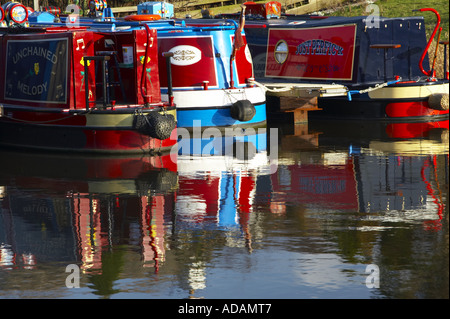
[349,50]
[75,68]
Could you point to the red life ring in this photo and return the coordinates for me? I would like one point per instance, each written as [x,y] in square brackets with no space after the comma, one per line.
[2,14]
[142,17]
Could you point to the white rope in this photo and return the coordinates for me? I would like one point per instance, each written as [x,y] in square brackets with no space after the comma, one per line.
[289,88]
[370,89]
[376,87]
[265,88]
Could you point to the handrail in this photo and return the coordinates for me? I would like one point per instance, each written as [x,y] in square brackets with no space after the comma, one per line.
[104,60]
[430,72]
[145,96]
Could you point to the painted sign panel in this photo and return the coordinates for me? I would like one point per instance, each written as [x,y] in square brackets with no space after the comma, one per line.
[325,53]
[193,61]
[36,71]
[184,55]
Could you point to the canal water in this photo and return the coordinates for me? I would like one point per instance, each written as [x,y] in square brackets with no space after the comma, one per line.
[313,211]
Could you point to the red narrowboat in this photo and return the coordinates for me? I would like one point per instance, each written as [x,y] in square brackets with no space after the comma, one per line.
[65,89]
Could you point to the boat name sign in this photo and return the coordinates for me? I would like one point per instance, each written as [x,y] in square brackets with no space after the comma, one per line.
[319,47]
[36,71]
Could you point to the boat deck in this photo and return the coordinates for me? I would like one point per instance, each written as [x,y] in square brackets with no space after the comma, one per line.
[303,90]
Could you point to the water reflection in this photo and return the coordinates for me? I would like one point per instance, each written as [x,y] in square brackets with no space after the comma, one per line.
[60,210]
[224,226]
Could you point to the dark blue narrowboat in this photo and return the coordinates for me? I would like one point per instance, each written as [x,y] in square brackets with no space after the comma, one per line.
[383,62]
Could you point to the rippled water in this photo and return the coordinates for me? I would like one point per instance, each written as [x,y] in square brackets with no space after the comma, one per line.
[338,207]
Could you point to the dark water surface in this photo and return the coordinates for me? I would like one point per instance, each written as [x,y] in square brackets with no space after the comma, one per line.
[339,207]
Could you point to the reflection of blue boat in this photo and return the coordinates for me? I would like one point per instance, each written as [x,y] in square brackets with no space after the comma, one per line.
[238,144]
[209,79]
[217,178]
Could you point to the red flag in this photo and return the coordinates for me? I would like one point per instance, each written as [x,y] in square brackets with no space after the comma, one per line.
[238,40]
[238,43]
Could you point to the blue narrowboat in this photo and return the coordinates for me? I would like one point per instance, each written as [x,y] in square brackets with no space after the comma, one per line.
[210,66]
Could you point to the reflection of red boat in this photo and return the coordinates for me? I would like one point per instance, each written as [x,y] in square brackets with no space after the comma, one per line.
[385,184]
[82,174]
[416,130]
[59,91]
[327,185]
[343,134]
[80,203]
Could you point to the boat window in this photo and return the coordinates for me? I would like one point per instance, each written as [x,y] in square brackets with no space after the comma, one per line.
[281,51]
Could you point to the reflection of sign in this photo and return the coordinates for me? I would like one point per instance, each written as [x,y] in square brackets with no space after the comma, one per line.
[313,53]
[36,71]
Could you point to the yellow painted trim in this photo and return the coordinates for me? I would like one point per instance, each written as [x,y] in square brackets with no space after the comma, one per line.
[115,120]
[408,92]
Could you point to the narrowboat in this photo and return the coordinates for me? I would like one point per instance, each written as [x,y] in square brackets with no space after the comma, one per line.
[63,88]
[382,62]
[210,72]
[211,69]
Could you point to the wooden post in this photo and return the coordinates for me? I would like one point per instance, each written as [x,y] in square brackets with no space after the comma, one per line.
[36,5]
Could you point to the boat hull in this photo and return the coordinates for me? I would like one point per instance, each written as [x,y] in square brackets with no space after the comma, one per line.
[305,50]
[205,80]
[212,107]
[202,69]
[214,117]
[395,103]
[94,132]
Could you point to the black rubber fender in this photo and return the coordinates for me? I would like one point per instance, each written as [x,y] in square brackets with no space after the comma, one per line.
[155,125]
[242,110]
[438,101]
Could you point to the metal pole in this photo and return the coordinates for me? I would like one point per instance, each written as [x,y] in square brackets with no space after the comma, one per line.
[168,55]
[105,86]
[86,82]
[445,43]
[104,60]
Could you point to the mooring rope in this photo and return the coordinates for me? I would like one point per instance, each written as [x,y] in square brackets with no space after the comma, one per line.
[370,89]
[349,93]
[266,89]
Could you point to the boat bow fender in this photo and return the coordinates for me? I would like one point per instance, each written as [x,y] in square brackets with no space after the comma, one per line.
[242,110]
[438,101]
[155,125]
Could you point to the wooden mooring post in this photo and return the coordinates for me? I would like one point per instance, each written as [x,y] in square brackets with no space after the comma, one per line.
[291,109]
[291,102]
